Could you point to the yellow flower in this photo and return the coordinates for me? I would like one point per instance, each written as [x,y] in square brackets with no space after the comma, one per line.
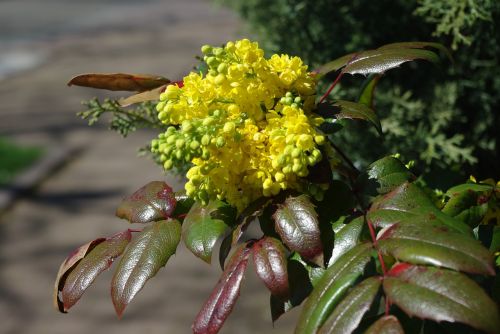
[245,127]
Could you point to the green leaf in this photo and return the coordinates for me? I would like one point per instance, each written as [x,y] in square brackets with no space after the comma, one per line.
[297,224]
[333,65]
[204,225]
[67,266]
[433,243]
[441,295]
[97,260]
[299,281]
[418,45]
[143,258]
[346,237]
[332,287]
[269,258]
[119,81]
[390,173]
[382,59]
[221,302]
[410,201]
[183,205]
[476,187]
[368,90]
[252,211]
[346,317]
[388,324]
[278,307]
[341,109]
[153,202]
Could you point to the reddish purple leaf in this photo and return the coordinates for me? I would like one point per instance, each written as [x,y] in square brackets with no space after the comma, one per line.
[147,254]
[119,81]
[388,324]
[153,202]
[441,295]
[269,258]
[220,303]
[297,224]
[67,266]
[97,260]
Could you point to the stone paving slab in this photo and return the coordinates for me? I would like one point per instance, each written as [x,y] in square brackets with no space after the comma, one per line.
[77,204]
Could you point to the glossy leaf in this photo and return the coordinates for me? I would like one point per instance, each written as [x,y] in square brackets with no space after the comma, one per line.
[332,287]
[346,317]
[221,302]
[269,258]
[382,59]
[418,45]
[297,224]
[97,260]
[367,95]
[153,202]
[410,201]
[148,95]
[278,307]
[334,65]
[476,187]
[183,204]
[390,173]
[142,259]
[388,324]
[67,266]
[119,81]
[441,295]
[204,225]
[346,237]
[353,110]
[249,214]
[435,244]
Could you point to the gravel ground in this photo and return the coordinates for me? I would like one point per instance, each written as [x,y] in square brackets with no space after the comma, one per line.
[61,39]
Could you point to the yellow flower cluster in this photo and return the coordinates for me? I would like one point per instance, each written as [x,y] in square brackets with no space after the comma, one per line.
[245,126]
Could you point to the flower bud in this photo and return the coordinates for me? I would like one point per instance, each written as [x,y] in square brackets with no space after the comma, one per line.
[206,49]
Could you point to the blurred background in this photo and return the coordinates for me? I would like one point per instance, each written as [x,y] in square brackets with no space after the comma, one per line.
[444,117]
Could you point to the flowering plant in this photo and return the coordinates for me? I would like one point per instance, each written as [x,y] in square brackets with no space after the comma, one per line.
[363,248]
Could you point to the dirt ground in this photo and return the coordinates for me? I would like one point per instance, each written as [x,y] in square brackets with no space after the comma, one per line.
[77,203]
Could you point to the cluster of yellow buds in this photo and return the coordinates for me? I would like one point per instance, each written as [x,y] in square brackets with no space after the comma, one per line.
[245,126]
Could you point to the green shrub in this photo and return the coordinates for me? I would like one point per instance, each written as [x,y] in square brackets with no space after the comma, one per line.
[452,114]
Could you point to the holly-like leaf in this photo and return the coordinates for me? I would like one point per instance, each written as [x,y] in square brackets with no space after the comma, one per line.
[388,324]
[221,302]
[94,262]
[433,243]
[346,237]
[67,266]
[418,45]
[142,259]
[252,211]
[346,317]
[381,59]
[153,202]
[278,307]
[441,295]
[297,224]
[353,110]
[409,201]
[148,95]
[119,81]
[204,225]
[332,287]
[367,94]
[269,258]
[183,203]
[390,173]
[468,202]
